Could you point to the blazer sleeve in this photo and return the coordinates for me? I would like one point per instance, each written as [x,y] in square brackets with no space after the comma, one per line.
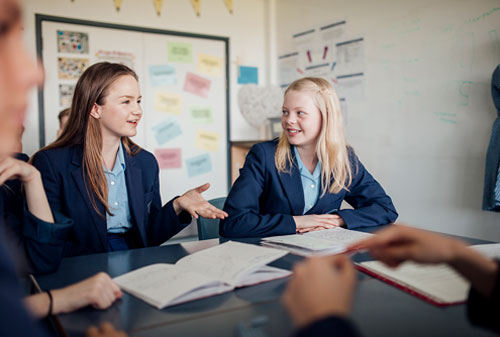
[163,222]
[14,318]
[42,242]
[329,326]
[372,206]
[485,311]
[243,203]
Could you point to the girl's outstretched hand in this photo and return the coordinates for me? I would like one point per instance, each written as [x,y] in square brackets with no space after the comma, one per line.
[193,202]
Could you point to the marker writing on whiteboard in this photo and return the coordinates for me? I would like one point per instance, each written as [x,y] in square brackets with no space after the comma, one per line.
[309,56]
[324,52]
[300,70]
[333,66]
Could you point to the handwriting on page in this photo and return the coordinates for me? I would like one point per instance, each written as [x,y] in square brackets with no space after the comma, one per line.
[340,235]
[230,261]
[160,281]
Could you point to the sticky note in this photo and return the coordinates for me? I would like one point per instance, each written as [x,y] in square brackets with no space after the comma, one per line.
[209,65]
[162,75]
[200,114]
[207,140]
[166,131]
[180,52]
[198,165]
[168,158]
[248,75]
[197,85]
[168,102]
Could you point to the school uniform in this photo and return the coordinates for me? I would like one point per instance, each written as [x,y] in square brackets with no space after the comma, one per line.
[40,242]
[67,191]
[262,201]
[14,318]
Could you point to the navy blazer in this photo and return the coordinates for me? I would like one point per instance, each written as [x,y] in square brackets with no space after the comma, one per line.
[14,318]
[262,202]
[41,242]
[63,179]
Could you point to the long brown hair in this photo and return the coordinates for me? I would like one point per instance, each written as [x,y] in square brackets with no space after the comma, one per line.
[92,88]
[331,147]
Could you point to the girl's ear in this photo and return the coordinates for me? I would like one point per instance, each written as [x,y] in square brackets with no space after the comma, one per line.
[96,111]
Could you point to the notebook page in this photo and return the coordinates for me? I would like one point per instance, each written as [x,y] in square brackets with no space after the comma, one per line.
[303,241]
[491,249]
[339,235]
[439,282]
[159,284]
[230,261]
[330,241]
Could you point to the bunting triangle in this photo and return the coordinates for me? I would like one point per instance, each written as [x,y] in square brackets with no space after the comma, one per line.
[229,5]
[196,6]
[158,4]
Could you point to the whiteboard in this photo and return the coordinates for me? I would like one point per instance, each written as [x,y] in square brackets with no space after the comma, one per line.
[190,150]
[423,122]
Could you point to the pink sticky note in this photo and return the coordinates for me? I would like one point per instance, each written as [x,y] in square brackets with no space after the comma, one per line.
[168,158]
[197,85]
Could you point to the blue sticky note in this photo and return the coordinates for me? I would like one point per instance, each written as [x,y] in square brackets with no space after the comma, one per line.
[166,131]
[248,75]
[162,75]
[198,165]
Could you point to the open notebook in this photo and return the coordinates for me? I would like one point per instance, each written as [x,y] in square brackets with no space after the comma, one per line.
[326,241]
[205,273]
[438,284]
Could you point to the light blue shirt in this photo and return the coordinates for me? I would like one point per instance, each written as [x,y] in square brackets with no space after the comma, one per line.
[120,222]
[310,182]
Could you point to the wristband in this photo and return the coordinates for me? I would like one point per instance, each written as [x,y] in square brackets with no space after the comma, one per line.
[51,302]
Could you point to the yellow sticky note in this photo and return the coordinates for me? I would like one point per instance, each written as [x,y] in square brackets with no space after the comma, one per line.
[209,65]
[168,102]
[207,140]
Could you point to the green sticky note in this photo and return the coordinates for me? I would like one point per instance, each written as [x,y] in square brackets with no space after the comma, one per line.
[200,114]
[180,52]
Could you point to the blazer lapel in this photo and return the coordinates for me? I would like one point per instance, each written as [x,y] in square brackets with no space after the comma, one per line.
[135,193]
[292,185]
[98,221]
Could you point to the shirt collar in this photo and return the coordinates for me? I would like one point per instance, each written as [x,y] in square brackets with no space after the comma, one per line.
[303,169]
[119,162]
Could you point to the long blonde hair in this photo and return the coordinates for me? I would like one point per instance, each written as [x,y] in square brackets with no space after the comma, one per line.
[331,146]
[92,88]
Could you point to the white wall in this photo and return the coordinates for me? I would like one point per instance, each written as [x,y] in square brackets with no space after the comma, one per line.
[433,170]
[246,28]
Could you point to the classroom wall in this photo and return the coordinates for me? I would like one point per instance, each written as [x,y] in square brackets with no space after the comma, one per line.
[423,126]
[246,28]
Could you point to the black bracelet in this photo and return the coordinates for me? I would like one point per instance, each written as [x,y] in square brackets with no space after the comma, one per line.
[50,302]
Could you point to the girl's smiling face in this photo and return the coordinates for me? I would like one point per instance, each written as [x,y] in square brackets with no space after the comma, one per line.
[301,119]
[121,111]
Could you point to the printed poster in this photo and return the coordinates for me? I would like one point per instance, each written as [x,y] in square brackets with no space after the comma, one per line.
[71,68]
[72,42]
[66,95]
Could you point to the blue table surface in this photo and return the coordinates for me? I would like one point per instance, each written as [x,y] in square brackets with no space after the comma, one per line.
[379,309]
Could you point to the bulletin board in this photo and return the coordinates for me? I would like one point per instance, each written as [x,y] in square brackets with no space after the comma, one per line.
[184,81]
